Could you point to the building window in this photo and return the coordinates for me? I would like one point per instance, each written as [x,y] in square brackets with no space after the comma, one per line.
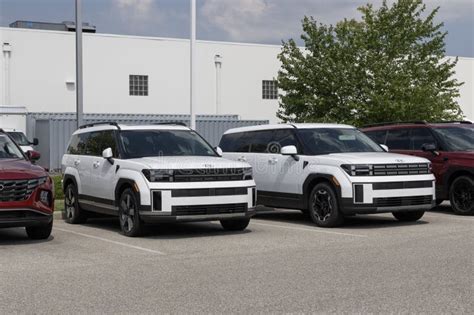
[138,85]
[269,90]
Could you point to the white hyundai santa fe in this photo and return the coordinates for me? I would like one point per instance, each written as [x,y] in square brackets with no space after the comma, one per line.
[147,174]
[331,171]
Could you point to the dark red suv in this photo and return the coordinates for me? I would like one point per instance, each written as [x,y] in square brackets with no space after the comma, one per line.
[26,191]
[450,148]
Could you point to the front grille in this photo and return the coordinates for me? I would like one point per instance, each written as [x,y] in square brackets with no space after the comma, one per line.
[403,185]
[18,190]
[403,201]
[206,192]
[209,209]
[206,175]
[400,169]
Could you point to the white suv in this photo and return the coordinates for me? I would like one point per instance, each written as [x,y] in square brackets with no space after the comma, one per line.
[330,171]
[147,174]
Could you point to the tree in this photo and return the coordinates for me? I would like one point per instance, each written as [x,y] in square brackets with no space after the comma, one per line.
[390,66]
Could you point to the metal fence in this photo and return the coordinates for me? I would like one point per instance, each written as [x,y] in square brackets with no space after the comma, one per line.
[55,129]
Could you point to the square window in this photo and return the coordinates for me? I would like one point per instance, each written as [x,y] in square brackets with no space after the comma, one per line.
[138,85]
[269,90]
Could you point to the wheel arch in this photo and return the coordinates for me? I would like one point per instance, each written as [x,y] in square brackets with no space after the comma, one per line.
[455,174]
[312,180]
[124,183]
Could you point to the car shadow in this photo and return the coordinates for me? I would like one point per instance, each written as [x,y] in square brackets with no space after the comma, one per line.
[168,230]
[373,221]
[17,236]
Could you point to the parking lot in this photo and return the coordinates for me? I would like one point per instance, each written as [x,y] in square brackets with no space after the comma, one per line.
[281,264]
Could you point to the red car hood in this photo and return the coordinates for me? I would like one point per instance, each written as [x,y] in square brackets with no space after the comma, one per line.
[19,169]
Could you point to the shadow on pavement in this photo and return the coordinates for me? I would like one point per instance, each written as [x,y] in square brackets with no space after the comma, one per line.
[17,236]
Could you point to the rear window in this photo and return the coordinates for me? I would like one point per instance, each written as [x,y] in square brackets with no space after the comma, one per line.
[398,139]
[378,136]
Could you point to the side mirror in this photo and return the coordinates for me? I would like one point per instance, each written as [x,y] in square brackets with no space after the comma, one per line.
[384,147]
[429,147]
[219,151]
[33,156]
[35,141]
[290,150]
[108,155]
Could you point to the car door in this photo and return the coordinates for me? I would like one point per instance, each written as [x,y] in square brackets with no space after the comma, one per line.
[261,159]
[76,159]
[102,170]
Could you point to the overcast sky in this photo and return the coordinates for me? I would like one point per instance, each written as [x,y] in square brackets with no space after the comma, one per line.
[257,21]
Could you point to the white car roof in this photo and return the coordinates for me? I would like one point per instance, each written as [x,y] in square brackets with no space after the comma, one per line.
[131,127]
[288,126]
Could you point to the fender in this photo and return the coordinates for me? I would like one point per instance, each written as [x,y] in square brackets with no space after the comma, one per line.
[318,176]
[72,174]
[134,179]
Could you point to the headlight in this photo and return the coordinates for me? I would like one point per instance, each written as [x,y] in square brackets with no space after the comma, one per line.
[248,174]
[358,169]
[159,175]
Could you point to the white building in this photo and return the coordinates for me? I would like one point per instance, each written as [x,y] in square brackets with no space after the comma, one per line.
[38,71]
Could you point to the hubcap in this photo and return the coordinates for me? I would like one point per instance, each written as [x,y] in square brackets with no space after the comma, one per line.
[322,205]
[69,203]
[463,195]
[127,214]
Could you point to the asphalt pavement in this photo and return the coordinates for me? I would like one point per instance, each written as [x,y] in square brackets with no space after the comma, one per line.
[281,264]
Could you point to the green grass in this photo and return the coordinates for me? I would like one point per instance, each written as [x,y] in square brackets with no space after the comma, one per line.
[58,205]
[58,187]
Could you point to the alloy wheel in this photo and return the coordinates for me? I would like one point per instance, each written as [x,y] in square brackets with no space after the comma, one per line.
[70,202]
[127,214]
[463,195]
[322,204]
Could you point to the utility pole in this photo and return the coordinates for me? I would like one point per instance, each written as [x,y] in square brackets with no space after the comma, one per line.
[193,65]
[79,96]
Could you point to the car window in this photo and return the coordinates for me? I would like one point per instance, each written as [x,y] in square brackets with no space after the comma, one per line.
[77,145]
[457,138]
[19,138]
[378,136]
[260,141]
[398,139]
[98,141]
[8,149]
[421,136]
[282,138]
[235,142]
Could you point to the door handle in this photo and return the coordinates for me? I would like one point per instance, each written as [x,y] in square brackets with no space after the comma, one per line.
[273,161]
[77,162]
[96,164]
[242,159]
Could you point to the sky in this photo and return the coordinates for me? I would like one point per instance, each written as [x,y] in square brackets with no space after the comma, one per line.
[254,21]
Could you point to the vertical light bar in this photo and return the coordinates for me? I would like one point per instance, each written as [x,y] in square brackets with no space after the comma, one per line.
[79,98]
[193,65]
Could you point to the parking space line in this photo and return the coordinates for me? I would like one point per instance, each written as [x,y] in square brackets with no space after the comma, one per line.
[448,216]
[112,242]
[307,229]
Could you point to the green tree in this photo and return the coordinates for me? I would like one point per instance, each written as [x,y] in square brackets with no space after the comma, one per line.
[390,66]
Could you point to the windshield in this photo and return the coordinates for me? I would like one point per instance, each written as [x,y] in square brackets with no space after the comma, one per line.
[148,143]
[8,149]
[457,138]
[326,141]
[19,138]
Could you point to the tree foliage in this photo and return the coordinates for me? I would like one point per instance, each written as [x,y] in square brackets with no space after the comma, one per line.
[389,66]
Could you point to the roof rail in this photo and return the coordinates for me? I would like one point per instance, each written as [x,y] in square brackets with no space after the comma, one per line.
[418,122]
[178,123]
[111,123]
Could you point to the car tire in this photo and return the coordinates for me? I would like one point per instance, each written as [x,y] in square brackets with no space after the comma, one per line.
[408,216]
[439,201]
[323,206]
[235,225]
[129,216]
[73,214]
[41,232]
[461,195]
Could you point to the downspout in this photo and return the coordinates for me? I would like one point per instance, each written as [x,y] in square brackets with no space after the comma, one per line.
[7,48]
[218,64]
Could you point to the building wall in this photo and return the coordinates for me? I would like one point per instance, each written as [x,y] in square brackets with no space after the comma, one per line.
[43,61]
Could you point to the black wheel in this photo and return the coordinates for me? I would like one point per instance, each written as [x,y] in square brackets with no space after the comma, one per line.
[439,201]
[129,216]
[41,232]
[408,216]
[323,206]
[461,195]
[235,224]
[73,213]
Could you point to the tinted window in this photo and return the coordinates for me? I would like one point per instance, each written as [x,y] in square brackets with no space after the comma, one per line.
[377,135]
[282,138]
[98,141]
[8,149]
[398,139]
[421,136]
[457,138]
[261,141]
[77,145]
[235,142]
[19,138]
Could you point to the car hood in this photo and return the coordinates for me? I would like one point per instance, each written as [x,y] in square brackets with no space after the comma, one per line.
[376,158]
[19,169]
[188,162]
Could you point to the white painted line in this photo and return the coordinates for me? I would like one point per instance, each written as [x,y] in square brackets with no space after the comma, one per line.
[112,242]
[448,216]
[316,229]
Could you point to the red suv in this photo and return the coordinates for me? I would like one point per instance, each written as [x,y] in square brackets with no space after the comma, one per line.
[26,191]
[450,148]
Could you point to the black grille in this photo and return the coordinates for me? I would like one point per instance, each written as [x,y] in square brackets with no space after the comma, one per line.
[403,185]
[400,169]
[403,201]
[18,190]
[209,209]
[205,175]
[206,192]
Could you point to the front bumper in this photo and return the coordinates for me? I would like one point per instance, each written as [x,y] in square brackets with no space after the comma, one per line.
[153,217]
[23,217]
[349,208]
